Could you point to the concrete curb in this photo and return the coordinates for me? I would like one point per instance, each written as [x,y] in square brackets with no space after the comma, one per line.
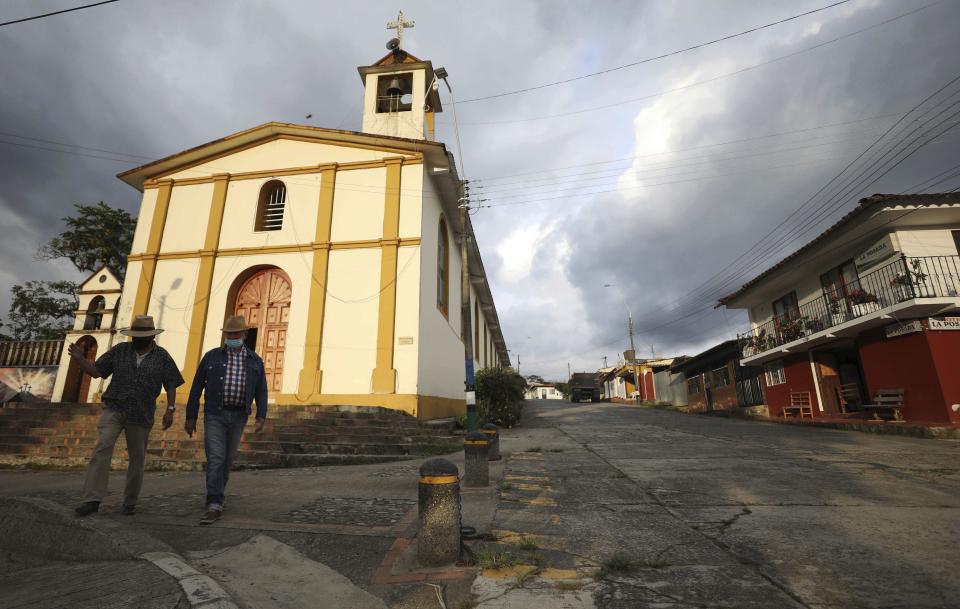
[201,590]
[36,526]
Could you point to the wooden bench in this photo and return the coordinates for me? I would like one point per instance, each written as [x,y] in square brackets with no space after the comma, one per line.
[887,401]
[800,405]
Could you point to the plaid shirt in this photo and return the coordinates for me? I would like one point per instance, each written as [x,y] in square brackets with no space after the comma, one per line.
[133,388]
[233,383]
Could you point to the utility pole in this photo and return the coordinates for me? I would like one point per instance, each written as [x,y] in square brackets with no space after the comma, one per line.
[470,389]
[569,376]
[518,363]
[604,361]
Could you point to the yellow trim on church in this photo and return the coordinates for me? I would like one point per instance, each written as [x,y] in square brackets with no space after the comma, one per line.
[384,378]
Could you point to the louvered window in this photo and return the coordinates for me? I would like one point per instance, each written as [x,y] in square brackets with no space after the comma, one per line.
[273,198]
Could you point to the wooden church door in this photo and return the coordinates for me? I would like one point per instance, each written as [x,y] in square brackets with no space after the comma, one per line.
[264,301]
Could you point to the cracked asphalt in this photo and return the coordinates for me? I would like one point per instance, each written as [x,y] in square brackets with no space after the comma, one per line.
[725,513]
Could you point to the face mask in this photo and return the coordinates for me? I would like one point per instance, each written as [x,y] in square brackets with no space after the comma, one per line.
[233,343]
[142,342]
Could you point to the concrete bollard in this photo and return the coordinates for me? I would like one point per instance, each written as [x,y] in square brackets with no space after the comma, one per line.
[493,436]
[438,539]
[476,468]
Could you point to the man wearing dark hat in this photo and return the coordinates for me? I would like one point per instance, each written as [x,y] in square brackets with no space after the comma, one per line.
[231,378]
[139,369]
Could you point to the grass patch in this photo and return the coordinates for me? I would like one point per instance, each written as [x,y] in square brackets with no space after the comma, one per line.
[468,603]
[554,450]
[490,558]
[528,545]
[569,586]
[522,578]
[506,486]
[535,449]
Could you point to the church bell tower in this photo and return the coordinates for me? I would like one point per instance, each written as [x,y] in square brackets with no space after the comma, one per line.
[400,97]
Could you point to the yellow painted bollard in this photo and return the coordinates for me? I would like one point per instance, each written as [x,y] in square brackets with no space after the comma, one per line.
[438,538]
[476,468]
[493,436]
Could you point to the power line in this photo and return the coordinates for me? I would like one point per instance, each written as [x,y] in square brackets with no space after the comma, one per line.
[708,80]
[67,10]
[722,278]
[655,58]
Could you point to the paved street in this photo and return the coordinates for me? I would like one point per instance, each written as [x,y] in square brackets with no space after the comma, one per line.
[727,513]
[600,505]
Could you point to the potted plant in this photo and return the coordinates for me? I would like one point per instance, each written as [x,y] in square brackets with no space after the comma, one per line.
[838,312]
[791,329]
[902,286]
[863,302]
[813,326]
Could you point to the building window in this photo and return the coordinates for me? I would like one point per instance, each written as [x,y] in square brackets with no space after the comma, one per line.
[775,373]
[394,93]
[273,198]
[443,270]
[693,386]
[94,316]
[721,377]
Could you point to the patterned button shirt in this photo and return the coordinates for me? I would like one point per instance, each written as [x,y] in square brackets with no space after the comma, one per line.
[233,383]
[134,389]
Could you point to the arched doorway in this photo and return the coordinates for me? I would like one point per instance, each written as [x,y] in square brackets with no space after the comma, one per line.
[77,386]
[264,300]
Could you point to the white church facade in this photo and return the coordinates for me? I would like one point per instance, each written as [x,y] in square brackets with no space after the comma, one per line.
[339,247]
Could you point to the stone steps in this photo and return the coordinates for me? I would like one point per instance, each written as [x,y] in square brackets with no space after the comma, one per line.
[65,434]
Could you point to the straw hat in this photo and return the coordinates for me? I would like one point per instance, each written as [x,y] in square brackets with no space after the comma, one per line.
[142,326]
[235,323]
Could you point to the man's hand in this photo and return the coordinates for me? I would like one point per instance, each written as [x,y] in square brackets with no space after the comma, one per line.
[167,420]
[76,351]
[190,426]
[258,427]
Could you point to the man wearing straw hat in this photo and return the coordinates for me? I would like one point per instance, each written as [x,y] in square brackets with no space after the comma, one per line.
[231,378]
[140,369]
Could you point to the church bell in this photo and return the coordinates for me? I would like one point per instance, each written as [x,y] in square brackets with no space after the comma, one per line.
[395,88]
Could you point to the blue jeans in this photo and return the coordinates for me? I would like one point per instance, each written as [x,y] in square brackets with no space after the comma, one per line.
[221,439]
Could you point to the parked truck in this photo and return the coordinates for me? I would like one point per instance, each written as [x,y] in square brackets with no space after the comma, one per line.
[584,387]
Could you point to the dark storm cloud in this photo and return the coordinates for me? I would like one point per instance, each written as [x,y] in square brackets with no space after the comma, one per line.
[150,78]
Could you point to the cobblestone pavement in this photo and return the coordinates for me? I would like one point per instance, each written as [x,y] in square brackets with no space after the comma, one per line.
[648,508]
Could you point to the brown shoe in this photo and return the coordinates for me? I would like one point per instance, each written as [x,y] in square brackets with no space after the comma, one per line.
[210,517]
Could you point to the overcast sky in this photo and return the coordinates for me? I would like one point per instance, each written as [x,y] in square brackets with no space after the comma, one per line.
[585,186]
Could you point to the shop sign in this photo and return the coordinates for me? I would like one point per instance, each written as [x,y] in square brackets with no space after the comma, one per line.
[879,251]
[908,327]
[944,323]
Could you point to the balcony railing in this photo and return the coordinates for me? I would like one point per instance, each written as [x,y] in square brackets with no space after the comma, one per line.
[903,279]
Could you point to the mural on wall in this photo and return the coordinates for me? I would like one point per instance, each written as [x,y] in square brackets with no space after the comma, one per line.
[37,379]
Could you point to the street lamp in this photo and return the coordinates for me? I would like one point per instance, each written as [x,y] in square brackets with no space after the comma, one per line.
[636,377]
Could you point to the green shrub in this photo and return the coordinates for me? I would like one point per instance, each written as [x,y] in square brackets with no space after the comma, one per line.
[500,396]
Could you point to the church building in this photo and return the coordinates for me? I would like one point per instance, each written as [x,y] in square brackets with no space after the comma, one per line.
[339,247]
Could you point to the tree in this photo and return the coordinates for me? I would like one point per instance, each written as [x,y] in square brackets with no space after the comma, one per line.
[535,378]
[500,395]
[42,310]
[97,235]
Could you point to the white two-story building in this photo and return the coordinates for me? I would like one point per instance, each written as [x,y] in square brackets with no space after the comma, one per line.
[870,306]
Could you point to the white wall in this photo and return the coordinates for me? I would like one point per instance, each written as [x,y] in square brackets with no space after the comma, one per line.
[358,205]
[934,242]
[279,154]
[441,362]
[407,324]
[348,352]
[187,216]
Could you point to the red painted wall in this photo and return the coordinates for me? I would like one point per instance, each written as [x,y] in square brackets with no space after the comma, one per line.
[799,378]
[923,364]
[646,381]
[945,348]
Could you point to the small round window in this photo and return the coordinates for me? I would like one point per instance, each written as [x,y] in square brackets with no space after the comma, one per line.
[103,278]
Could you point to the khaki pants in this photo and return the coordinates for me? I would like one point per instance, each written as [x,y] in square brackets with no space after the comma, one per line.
[109,426]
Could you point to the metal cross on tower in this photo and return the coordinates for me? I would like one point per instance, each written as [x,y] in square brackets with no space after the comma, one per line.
[398,25]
